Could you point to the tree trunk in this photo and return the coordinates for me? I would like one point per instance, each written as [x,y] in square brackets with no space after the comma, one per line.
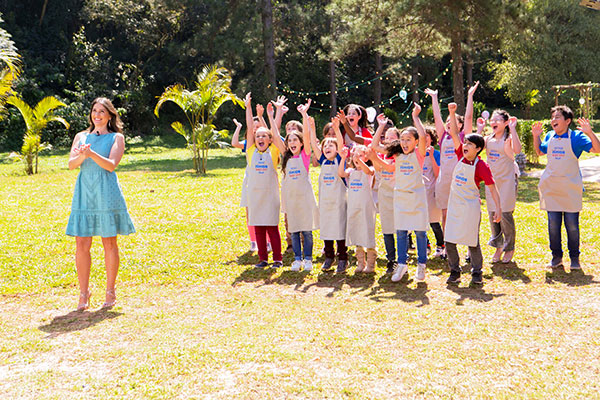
[43,12]
[379,72]
[414,82]
[457,72]
[267,28]
[332,89]
[469,63]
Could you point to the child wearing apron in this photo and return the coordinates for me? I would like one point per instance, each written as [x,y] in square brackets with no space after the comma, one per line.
[262,187]
[464,204]
[361,208]
[561,185]
[431,169]
[501,148]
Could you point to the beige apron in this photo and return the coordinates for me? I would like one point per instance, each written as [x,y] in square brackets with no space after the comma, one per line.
[503,171]
[361,211]
[435,213]
[262,190]
[332,203]
[244,199]
[561,186]
[464,207]
[448,161]
[298,196]
[410,196]
[386,202]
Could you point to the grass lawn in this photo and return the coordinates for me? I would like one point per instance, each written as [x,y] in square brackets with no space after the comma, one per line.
[195,320]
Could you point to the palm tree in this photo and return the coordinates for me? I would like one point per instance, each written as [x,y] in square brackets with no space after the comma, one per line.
[36,120]
[10,66]
[200,106]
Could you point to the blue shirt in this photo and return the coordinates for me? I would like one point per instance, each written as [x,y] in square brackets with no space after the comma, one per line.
[580,142]
[436,156]
[324,161]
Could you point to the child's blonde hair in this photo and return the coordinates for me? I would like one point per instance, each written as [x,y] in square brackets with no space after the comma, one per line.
[295,126]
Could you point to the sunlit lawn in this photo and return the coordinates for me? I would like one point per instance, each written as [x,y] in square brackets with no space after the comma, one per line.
[195,319]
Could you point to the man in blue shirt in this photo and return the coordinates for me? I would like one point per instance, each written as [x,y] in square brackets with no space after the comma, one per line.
[561,185]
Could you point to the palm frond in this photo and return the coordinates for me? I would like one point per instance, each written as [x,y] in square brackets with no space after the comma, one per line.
[46,106]
[25,110]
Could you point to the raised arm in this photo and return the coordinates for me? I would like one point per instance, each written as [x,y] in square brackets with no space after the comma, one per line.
[281,109]
[434,165]
[342,166]
[351,134]
[437,114]
[378,163]
[249,121]
[338,134]
[259,113]
[421,130]
[303,110]
[468,126]
[454,125]
[361,164]
[274,130]
[382,122]
[536,131]
[515,141]
[314,143]
[235,140]
[586,127]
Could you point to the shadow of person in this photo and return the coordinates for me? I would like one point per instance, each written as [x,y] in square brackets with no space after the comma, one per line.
[472,292]
[288,277]
[510,272]
[388,290]
[253,274]
[576,277]
[360,281]
[333,280]
[248,258]
[77,321]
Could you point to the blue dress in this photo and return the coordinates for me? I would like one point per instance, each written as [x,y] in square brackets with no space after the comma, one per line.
[98,207]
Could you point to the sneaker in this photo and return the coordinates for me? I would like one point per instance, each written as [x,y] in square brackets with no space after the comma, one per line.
[476,278]
[555,263]
[421,272]
[253,247]
[327,265]
[575,263]
[262,264]
[297,265]
[269,248]
[439,251]
[454,277]
[277,264]
[399,272]
[341,267]
[391,266]
[308,265]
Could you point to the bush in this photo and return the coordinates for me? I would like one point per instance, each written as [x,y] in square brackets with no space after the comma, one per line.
[524,131]
[393,115]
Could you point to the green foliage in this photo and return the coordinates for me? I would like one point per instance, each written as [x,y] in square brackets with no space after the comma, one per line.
[213,89]
[393,115]
[478,108]
[36,120]
[524,131]
[10,67]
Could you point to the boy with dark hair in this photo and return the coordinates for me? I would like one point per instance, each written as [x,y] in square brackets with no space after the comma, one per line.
[464,204]
[561,185]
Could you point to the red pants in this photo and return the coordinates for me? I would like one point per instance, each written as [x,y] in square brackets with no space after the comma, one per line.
[261,241]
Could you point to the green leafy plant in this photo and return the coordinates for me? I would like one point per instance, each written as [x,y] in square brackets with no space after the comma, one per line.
[213,89]
[36,119]
[10,67]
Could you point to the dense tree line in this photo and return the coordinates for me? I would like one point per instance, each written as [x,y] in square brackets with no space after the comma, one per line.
[130,50]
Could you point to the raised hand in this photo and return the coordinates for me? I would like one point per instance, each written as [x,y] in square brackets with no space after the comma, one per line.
[345,152]
[259,110]
[473,88]
[248,99]
[537,129]
[584,125]
[270,109]
[235,121]
[342,116]
[452,107]
[335,121]
[430,150]
[303,108]
[431,92]
[284,109]
[416,110]
[512,123]
[480,124]
[382,119]
[281,100]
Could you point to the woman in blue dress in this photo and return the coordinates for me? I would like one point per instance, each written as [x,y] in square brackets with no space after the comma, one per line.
[98,207]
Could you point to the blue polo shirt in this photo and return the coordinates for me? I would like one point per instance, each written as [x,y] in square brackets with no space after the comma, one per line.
[580,142]
[324,161]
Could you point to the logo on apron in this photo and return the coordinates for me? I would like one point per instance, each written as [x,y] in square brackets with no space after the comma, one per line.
[261,167]
[294,173]
[558,153]
[356,185]
[386,175]
[328,179]
[406,168]
[493,156]
[460,180]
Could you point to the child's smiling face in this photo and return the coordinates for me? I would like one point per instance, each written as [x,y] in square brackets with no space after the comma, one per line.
[470,150]
[498,123]
[559,123]
[353,116]
[408,142]
[294,143]
[262,139]
[330,149]
[390,135]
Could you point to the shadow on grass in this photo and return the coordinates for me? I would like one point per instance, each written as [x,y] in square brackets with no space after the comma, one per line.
[472,292]
[574,278]
[179,165]
[388,290]
[77,321]
[510,272]
[528,191]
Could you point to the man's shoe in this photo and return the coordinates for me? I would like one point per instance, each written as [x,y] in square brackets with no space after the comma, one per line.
[391,266]
[476,278]
[262,264]
[341,267]
[277,264]
[555,263]
[454,277]
[575,263]
[327,265]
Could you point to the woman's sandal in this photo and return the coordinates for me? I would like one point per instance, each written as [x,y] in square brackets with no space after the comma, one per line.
[110,304]
[84,301]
